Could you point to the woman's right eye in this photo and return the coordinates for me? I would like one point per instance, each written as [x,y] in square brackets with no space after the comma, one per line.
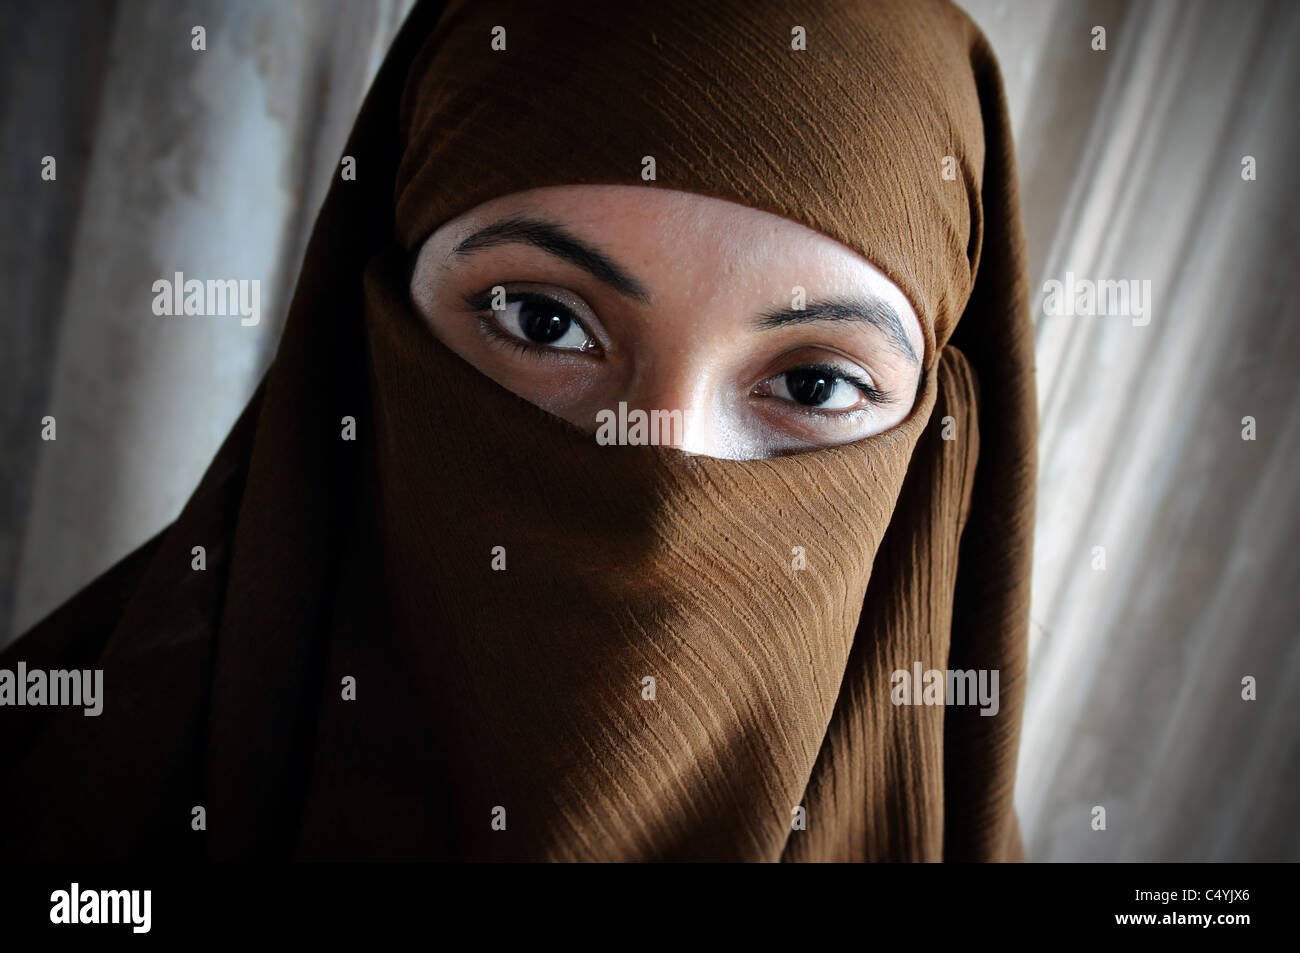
[542,320]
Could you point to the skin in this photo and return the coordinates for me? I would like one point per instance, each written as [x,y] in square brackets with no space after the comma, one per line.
[685,328]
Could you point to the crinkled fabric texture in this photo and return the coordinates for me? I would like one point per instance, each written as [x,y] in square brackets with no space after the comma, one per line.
[522,693]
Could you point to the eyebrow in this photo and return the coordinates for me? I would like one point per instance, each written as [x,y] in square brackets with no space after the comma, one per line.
[870,311]
[555,240]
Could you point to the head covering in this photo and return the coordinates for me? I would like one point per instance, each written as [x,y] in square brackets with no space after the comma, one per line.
[505,714]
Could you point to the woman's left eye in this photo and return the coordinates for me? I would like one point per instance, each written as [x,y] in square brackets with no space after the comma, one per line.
[821,388]
[541,320]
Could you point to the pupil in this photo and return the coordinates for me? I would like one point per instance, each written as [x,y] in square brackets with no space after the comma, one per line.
[809,387]
[542,326]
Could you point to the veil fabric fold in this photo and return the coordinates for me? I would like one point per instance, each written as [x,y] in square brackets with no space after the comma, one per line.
[651,676]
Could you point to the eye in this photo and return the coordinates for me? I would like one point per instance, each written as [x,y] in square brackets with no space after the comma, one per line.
[822,387]
[542,320]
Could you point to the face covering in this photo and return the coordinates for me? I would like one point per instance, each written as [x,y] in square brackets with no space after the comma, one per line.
[473,632]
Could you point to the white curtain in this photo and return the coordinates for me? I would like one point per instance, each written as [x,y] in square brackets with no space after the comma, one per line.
[1131,164]
[1165,570]
[210,163]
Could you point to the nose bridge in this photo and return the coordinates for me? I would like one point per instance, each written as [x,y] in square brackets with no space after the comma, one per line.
[679,387]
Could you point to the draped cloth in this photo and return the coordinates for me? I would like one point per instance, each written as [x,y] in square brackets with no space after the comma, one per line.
[652,675]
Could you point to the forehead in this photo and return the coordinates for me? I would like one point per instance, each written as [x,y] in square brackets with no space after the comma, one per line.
[628,213]
[673,225]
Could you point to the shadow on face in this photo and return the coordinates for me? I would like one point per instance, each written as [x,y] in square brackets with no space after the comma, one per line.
[732,332]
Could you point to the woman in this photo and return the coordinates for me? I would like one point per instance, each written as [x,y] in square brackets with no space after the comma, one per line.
[458,604]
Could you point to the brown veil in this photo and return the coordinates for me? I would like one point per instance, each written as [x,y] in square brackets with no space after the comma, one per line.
[505,713]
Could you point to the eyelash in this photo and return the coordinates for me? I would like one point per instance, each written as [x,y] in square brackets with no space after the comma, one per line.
[481,304]
[872,395]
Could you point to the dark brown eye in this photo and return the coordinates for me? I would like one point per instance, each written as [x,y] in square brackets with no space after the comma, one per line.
[820,386]
[542,320]
[809,386]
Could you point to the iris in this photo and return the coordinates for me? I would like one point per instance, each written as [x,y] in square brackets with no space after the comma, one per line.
[810,386]
[542,321]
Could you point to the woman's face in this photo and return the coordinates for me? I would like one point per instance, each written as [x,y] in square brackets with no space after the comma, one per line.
[768,337]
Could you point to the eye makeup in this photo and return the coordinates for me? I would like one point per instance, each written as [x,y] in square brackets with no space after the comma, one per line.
[807,387]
